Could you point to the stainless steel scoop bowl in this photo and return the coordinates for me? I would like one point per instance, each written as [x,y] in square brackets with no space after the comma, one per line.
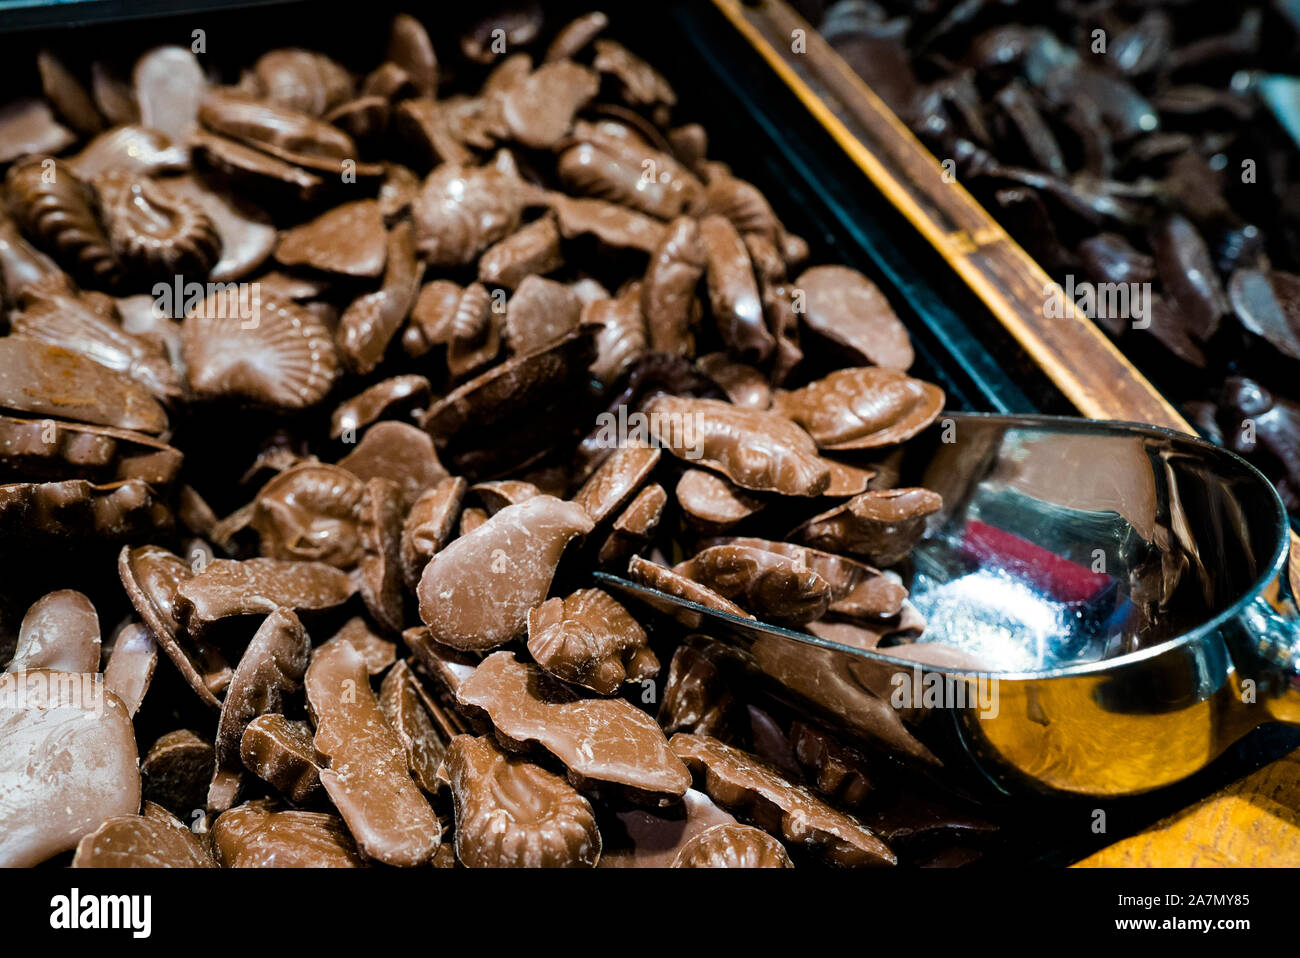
[1107,601]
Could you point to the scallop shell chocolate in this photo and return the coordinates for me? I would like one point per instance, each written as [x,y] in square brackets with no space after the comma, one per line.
[261,349]
[154,230]
[56,210]
[863,408]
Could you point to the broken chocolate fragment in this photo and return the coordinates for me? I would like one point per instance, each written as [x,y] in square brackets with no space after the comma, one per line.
[280,752]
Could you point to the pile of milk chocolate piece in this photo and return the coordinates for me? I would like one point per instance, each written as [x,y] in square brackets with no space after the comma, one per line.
[338,387]
[1127,142]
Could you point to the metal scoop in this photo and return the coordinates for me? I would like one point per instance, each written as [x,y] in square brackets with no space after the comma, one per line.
[1107,611]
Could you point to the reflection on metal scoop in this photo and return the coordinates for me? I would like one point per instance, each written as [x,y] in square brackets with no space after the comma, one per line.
[1122,587]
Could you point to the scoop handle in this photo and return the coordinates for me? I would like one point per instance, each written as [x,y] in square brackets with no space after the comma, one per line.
[1266,644]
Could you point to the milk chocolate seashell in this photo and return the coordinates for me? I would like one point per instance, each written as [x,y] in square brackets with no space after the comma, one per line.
[733,846]
[131,665]
[410,48]
[254,168]
[369,324]
[380,401]
[461,211]
[349,239]
[28,127]
[380,574]
[515,25]
[397,451]
[710,503]
[254,835]
[511,813]
[601,742]
[129,149]
[612,224]
[863,408]
[532,250]
[281,355]
[280,752]
[848,309]
[755,449]
[621,338]
[663,579]
[589,640]
[733,291]
[67,94]
[743,384]
[540,312]
[474,328]
[169,87]
[616,481]
[60,631]
[227,587]
[634,526]
[365,119]
[424,742]
[247,234]
[302,80]
[156,839]
[668,293]
[642,84]
[574,36]
[155,231]
[275,128]
[429,526]
[773,587]
[311,513]
[475,594]
[616,170]
[23,266]
[539,110]
[881,525]
[431,126]
[56,209]
[67,764]
[46,380]
[67,322]
[45,449]
[744,205]
[79,509]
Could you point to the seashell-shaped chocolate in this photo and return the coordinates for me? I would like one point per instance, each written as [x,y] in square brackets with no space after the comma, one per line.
[349,239]
[475,593]
[642,84]
[310,513]
[616,480]
[365,119]
[302,80]
[574,36]
[368,778]
[745,206]
[227,587]
[755,449]
[866,407]
[60,631]
[379,575]
[848,309]
[46,380]
[634,526]
[156,839]
[590,640]
[169,87]
[23,266]
[474,330]
[379,654]
[270,669]
[733,846]
[615,170]
[512,26]
[612,224]
[773,587]
[266,350]
[429,126]
[668,293]
[154,230]
[499,493]
[247,235]
[67,94]
[654,576]
[410,49]
[600,741]
[131,149]
[622,338]
[511,813]
[79,509]
[256,836]
[28,127]
[540,312]
[745,784]
[429,525]
[151,577]
[370,322]
[258,171]
[733,291]
[460,211]
[380,401]
[697,693]
[280,752]
[711,504]
[277,129]
[531,250]
[64,321]
[539,110]
[425,746]
[56,209]
[394,450]
[881,525]
[67,763]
